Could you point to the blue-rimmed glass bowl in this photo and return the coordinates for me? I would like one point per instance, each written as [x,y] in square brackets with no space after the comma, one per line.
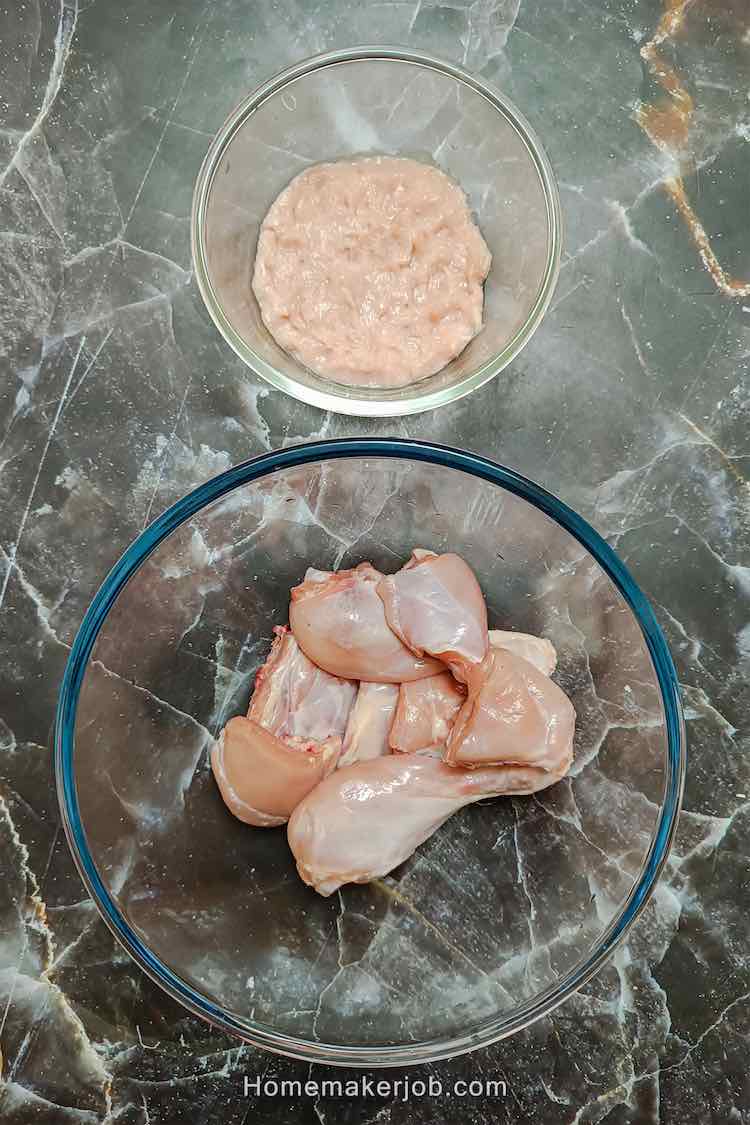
[508,909]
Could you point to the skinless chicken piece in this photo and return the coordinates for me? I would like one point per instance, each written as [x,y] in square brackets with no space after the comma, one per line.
[370,722]
[427,708]
[294,698]
[537,650]
[339,623]
[266,763]
[313,575]
[513,714]
[263,779]
[425,713]
[435,605]
[367,818]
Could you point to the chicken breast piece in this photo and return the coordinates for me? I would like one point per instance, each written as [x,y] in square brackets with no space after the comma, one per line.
[370,722]
[294,698]
[369,817]
[513,714]
[425,714]
[435,605]
[263,779]
[339,623]
[537,650]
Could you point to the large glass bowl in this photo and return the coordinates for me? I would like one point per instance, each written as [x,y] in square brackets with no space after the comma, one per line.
[379,100]
[507,909]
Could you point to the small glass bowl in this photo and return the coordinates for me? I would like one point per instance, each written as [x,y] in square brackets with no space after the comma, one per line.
[379,100]
[510,907]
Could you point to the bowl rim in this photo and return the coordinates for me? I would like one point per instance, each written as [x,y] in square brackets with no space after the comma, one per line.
[494,1028]
[362,401]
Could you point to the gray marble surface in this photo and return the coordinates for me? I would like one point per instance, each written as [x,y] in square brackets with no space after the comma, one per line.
[632,403]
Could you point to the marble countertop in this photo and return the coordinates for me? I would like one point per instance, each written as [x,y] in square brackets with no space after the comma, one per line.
[632,403]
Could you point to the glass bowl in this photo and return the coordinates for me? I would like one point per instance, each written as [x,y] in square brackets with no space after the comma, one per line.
[383,101]
[511,906]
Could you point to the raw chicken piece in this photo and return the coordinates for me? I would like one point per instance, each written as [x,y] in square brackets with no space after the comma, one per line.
[313,575]
[263,779]
[370,722]
[295,698]
[434,604]
[537,650]
[425,713]
[427,708]
[339,622]
[367,818]
[513,714]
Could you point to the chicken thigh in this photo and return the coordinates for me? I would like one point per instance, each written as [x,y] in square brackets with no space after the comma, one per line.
[425,713]
[263,779]
[537,650]
[369,817]
[427,708]
[513,714]
[370,722]
[295,698]
[339,622]
[435,605]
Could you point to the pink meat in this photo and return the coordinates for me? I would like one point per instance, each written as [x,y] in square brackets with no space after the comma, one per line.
[263,779]
[370,722]
[367,818]
[339,622]
[370,271]
[294,698]
[435,605]
[513,714]
[537,650]
[425,713]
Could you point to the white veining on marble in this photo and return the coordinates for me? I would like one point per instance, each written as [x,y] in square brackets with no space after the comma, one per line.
[632,403]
